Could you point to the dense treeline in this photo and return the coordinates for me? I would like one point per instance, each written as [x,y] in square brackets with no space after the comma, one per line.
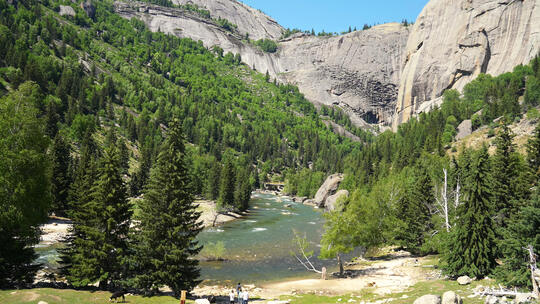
[86,108]
[473,207]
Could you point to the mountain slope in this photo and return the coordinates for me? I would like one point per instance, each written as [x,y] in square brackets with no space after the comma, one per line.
[358,71]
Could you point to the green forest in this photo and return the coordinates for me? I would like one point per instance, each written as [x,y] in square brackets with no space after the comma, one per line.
[478,209]
[96,110]
[87,104]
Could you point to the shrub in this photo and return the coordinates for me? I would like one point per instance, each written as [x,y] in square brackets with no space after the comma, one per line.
[267,45]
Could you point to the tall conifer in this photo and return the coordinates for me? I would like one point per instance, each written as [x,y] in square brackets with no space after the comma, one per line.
[169,222]
[471,248]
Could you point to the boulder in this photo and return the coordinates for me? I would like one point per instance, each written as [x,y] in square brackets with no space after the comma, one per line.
[328,188]
[464,280]
[464,129]
[202,301]
[331,201]
[428,299]
[42,302]
[66,10]
[451,297]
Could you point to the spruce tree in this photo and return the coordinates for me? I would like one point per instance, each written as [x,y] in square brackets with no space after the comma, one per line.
[169,222]
[99,255]
[414,211]
[227,187]
[471,247]
[533,153]
[213,183]
[511,181]
[523,231]
[60,179]
[79,196]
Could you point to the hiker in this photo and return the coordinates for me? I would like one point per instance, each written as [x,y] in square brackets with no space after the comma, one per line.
[240,296]
[245,297]
[238,290]
[231,297]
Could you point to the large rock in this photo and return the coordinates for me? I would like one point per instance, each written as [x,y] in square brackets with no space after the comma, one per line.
[66,10]
[202,301]
[451,297]
[453,41]
[331,202]
[358,72]
[428,299]
[523,298]
[464,280]
[328,188]
[464,129]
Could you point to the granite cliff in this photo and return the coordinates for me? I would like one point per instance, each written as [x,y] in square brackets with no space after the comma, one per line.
[453,41]
[383,75]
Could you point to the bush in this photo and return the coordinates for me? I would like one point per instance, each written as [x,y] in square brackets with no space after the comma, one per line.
[533,113]
[214,251]
[267,45]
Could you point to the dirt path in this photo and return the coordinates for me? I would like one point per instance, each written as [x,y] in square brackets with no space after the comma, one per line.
[393,274]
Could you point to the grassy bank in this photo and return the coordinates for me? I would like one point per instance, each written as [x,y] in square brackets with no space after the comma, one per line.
[61,296]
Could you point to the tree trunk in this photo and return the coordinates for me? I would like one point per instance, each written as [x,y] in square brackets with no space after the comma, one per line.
[340,265]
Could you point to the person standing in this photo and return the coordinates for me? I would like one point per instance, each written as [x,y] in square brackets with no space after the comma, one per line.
[231,297]
[240,296]
[238,290]
[245,296]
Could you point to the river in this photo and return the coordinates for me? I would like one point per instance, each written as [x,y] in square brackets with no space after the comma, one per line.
[257,246]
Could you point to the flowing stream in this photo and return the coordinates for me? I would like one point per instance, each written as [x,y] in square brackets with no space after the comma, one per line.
[258,246]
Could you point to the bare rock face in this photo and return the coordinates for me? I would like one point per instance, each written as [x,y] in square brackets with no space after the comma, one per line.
[331,202]
[328,188]
[464,129]
[453,41]
[249,20]
[359,71]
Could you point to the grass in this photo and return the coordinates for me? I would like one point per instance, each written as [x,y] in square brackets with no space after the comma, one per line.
[436,287]
[61,296]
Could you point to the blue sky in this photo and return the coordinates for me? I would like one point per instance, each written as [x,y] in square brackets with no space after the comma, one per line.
[337,15]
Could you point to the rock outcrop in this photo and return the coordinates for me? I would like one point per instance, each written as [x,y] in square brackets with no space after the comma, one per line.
[331,201]
[66,10]
[249,20]
[453,41]
[328,188]
[358,72]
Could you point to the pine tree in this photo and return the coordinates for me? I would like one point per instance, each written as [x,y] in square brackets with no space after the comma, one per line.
[414,211]
[511,185]
[227,187]
[79,196]
[523,231]
[533,152]
[169,223]
[100,254]
[242,193]
[213,182]
[60,179]
[471,248]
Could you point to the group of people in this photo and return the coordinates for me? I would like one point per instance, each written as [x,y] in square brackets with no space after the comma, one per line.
[242,296]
